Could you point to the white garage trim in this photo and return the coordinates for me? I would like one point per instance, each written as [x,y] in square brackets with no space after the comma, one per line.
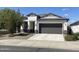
[50,23]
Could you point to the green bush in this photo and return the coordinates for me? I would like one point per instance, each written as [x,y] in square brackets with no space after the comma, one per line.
[71,38]
[77,34]
[3,31]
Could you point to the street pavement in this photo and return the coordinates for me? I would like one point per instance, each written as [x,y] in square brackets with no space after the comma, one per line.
[31,49]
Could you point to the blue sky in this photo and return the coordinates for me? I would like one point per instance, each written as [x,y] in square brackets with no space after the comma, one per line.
[70,12]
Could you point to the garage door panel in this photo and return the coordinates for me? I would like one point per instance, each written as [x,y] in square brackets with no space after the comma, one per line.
[51,25]
[51,28]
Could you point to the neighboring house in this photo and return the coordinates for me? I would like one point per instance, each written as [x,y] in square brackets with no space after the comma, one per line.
[75,27]
[45,23]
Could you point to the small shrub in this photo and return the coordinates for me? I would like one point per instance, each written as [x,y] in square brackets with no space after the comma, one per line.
[11,35]
[71,38]
[69,30]
[3,31]
[76,34]
[21,34]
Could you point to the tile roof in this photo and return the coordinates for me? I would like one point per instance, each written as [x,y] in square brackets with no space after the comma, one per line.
[75,23]
[47,14]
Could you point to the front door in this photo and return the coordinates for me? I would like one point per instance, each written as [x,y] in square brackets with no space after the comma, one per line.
[25,27]
[32,26]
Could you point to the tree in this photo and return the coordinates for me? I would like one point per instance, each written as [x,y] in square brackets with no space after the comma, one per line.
[19,20]
[11,19]
[69,30]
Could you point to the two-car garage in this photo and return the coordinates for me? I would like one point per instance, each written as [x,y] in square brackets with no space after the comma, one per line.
[50,28]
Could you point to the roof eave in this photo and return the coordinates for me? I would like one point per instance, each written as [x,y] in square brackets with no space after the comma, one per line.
[56,18]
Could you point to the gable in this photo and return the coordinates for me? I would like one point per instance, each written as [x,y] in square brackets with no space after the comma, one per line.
[47,16]
[32,14]
[75,23]
[51,16]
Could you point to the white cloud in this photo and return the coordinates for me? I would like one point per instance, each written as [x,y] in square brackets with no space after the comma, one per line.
[66,15]
[65,9]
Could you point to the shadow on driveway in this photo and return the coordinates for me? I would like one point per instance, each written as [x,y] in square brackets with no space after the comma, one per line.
[31,49]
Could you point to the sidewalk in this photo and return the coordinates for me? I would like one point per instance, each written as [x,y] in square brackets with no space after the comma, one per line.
[42,44]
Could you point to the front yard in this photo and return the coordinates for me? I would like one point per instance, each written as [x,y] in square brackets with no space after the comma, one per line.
[5,35]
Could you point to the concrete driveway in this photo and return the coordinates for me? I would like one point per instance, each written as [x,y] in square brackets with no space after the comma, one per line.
[53,37]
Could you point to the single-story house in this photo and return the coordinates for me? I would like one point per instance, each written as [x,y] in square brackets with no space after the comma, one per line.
[75,27]
[45,23]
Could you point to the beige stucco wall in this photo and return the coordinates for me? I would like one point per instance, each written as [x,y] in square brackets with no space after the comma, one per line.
[75,28]
[30,19]
[63,22]
[34,18]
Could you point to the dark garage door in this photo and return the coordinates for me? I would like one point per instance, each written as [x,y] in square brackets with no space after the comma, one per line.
[50,28]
